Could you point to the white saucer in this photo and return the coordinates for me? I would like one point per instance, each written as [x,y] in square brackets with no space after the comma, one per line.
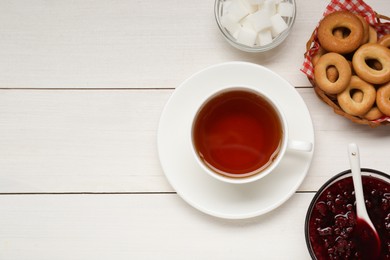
[231,201]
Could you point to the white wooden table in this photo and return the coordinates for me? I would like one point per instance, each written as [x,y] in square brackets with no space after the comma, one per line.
[83,84]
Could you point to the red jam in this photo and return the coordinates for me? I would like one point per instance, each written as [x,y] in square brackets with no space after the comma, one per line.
[335,232]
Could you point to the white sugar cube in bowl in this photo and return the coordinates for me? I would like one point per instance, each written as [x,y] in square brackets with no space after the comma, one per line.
[255,25]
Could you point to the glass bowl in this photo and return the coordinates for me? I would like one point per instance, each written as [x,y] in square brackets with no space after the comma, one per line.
[219,11]
[331,217]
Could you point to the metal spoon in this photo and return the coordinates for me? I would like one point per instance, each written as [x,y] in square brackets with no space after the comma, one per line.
[366,231]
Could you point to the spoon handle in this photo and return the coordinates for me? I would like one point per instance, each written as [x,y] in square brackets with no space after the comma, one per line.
[354,160]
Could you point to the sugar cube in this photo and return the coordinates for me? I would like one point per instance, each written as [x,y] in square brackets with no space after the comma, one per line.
[237,10]
[278,25]
[285,9]
[255,2]
[264,37]
[229,22]
[260,20]
[269,5]
[249,6]
[247,36]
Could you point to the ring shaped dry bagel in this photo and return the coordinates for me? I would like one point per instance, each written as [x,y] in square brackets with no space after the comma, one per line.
[373,114]
[332,74]
[366,29]
[372,51]
[355,108]
[385,41]
[343,20]
[357,96]
[383,99]
[318,55]
[337,61]
[372,35]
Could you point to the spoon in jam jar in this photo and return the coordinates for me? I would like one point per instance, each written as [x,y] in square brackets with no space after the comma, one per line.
[367,237]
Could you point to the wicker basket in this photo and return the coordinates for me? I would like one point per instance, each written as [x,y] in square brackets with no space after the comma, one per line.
[331,100]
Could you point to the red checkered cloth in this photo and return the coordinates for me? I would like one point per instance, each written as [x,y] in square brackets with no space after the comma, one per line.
[354,6]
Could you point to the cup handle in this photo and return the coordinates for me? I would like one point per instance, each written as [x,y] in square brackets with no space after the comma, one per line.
[297,145]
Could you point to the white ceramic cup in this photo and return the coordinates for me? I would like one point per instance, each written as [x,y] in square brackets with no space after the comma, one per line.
[285,142]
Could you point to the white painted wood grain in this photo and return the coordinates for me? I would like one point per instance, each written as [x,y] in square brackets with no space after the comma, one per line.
[54,141]
[101,140]
[94,139]
[332,135]
[119,227]
[114,44]
[122,44]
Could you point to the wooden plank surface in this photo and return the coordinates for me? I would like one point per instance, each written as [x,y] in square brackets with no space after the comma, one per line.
[143,227]
[100,140]
[122,44]
[82,87]
[114,44]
